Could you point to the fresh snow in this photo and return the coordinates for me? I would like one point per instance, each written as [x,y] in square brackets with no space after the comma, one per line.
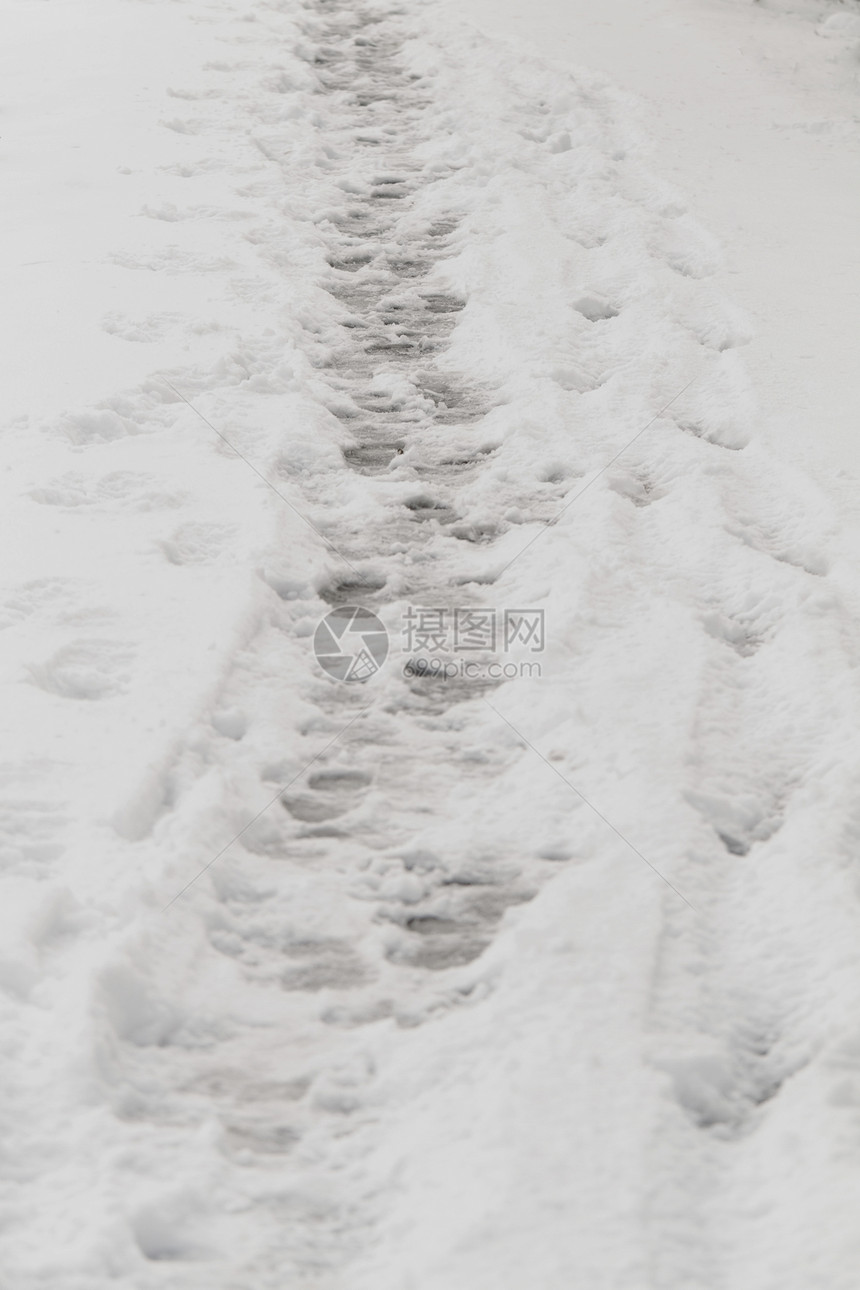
[434,982]
[752,109]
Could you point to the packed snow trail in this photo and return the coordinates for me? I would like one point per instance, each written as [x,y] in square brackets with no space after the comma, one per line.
[426,983]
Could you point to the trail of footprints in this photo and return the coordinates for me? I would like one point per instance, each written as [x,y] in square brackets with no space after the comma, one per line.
[347,826]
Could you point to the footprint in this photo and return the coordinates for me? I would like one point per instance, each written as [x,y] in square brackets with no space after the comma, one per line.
[145,331]
[86,669]
[577,379]
[479,533]
[350,262]
[119,490]
[31,826]
[54,600]
[798,549]
[98,425]
[332,793]
[595,307]
[555,852]
[408,267]
[437,944]
[314,810]
[641,492]
[248,1138]
[686,248]
[746,623]
[199,543]
[424,507]
[724,431]
[722,1080]
[172,1230]
[373,458]
[352,589]
[323,965]
[439,303]
[339,780]
[443,228]
[179,126]
[232,723]
[741,820]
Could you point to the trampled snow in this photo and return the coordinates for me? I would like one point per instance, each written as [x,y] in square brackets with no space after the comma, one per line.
[533,959]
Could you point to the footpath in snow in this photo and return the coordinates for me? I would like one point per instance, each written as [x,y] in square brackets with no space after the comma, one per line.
[531,961]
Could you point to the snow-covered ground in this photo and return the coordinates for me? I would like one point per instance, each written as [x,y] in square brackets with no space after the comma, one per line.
[751,107]
[534,960]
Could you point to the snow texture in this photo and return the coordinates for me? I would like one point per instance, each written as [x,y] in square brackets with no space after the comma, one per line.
[428,983]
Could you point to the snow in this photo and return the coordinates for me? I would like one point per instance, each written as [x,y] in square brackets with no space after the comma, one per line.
[463,979]
[751,109]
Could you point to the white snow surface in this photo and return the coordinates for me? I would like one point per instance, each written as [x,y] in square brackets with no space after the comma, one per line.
[414,984]
[752,108]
